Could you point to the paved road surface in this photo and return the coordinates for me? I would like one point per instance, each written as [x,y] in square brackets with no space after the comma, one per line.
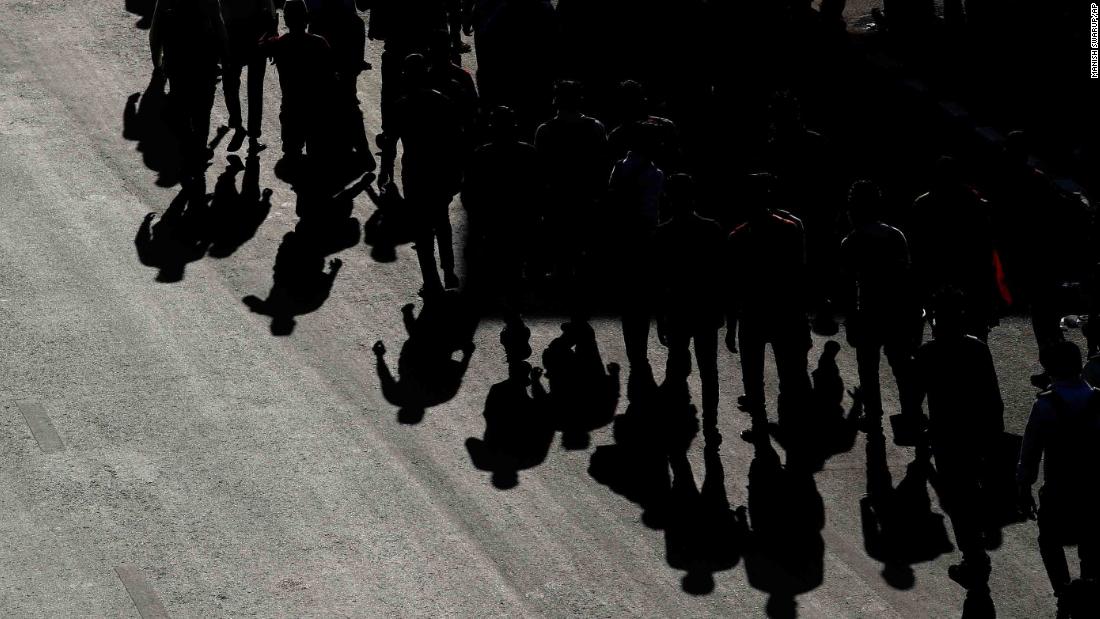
[238,473]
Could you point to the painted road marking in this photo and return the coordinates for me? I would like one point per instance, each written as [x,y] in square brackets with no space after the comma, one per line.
[145,599]
[41,427]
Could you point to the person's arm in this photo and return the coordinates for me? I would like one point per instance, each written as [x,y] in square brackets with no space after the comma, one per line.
[213,10]
[1031,452]
[995,407]
[156,42]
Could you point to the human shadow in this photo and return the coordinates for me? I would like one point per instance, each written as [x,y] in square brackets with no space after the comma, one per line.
[389,225]
[177,238]
[899,527]
[979,604]
[144,10]
[648,465]
[518,432]
[236,215]
[784,551]
[818,428]
[427,372]
[581,393]
[703,534]
[300,283]
[145,120]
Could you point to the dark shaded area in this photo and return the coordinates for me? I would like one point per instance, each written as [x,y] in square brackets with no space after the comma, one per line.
[581,393]
[428,374]
[784,556]
[648,465]
[518,428]
[197,224]
[236,215]
[300,282]
[899,526]
[178,237]
[389,225]
[145,120]
[144,10]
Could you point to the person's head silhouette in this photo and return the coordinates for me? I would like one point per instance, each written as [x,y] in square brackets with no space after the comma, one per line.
[295,15]
[864,203]
[947,314]
[415,72]
[502,124]
[679,196]
[568,97]
[1062,360]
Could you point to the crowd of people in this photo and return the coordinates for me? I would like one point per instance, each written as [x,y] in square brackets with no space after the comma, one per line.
[608,149]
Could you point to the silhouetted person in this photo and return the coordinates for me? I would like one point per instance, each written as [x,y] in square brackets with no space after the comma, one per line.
[1064,432]
[406,27]
[951,241]
[689,309]
[883,315]
[808,187]
[966,418]
[634,198]
[516,45]
[449,78]
[429,126]
[188,42]
[247,22]
[766,302]
[340,25]
[1042,237]
[572,150]
[634,119]
[501,193]
[306,78]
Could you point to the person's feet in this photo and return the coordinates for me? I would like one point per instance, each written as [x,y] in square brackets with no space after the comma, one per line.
[255,146]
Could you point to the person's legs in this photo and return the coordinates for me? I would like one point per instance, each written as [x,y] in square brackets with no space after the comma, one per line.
[706,357]
[961,493]
[867,366]
[636,336]
[441,223]
[751,342]
[425,217]
[899,354]
[1050,542]
[294,135]
[257,68]
[231,89]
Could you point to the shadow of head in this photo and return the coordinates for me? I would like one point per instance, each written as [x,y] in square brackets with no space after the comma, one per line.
[505,479]
[899,576]
[410,415]
[282,325]
[781,607]
[698,582]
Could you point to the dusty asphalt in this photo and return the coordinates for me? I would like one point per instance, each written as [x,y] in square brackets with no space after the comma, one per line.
[246,474]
